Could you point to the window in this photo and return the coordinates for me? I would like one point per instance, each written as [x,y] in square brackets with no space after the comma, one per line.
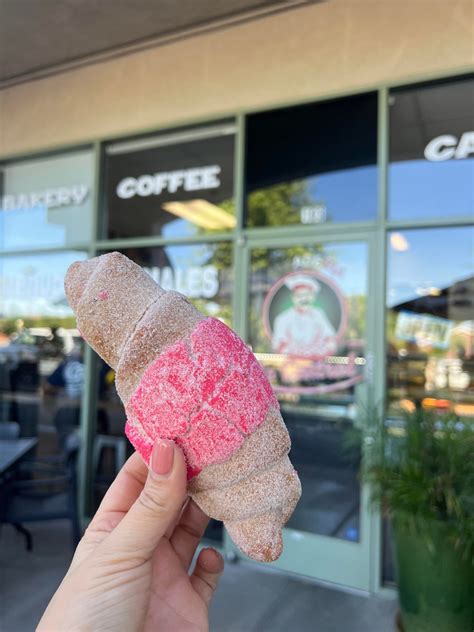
[313,164]
[41,352]
[430,320]
[174,185]
[47,201]
[431,171]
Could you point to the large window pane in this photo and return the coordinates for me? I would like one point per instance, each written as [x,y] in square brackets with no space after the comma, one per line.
[178,184]
[430,319]
[431,171]
[41,353]
[202,272]
[307,323]
[313,163]
[47,201]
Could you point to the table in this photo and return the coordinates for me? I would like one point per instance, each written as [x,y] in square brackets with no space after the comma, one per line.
[12,450]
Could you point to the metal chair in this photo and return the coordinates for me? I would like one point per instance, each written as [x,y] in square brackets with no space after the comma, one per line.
[106,441]
[50,495]
[9,430]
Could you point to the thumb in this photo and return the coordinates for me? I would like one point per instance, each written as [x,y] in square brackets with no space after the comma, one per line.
[157,507]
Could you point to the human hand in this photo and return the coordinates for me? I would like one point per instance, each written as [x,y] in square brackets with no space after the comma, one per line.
[130,570]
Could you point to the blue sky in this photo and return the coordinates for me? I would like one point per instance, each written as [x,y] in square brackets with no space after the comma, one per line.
[436,257]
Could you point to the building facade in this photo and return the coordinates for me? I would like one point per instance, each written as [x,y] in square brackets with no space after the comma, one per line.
[320,201]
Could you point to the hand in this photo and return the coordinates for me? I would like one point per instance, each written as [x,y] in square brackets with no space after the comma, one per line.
[130,570]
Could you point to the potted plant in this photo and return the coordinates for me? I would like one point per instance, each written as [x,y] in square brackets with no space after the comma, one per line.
[421,473]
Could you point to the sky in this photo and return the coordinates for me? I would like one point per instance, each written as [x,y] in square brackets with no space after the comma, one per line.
[434,258]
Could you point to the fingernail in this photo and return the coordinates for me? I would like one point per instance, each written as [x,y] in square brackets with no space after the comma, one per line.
[162,457]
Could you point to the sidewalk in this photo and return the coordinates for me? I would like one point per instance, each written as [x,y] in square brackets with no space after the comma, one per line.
[248,599]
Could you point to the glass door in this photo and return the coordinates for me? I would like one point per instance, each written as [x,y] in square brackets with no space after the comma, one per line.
[307,321]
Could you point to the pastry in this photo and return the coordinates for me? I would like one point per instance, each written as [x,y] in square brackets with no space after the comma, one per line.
[188,377]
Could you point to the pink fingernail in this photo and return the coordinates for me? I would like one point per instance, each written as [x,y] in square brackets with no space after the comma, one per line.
[162,457]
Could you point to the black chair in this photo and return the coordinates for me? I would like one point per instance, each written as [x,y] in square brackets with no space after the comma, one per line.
[50,494]
[9,430]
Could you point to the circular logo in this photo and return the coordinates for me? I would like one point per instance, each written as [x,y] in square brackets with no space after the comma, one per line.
[305,315]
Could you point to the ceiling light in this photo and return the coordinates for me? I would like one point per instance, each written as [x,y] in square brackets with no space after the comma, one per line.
[202,214]
[398,242]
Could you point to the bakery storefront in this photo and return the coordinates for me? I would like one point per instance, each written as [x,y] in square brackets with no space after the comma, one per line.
[335,236]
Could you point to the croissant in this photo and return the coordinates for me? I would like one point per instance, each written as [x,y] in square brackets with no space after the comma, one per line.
[187,377]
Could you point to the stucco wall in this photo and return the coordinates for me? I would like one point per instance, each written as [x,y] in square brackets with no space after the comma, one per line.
[322,49]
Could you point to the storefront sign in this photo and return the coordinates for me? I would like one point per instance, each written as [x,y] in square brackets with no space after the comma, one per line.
[447,146]
[49,198]
[305,318]
[195,179]
[423,329]
[193,282]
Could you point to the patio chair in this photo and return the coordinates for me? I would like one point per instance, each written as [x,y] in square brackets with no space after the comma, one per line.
[9,430]
[50,495]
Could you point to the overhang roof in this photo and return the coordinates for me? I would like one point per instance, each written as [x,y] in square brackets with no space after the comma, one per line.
[41,37]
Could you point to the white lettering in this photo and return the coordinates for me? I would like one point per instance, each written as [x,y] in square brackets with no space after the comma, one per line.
[209,177]
[127,188]
[22,201]
[180,281]
[36,199]
[193,282]
[446,146]
[145,186]
[64,197]
[8,203]
[167,280]
[154,273]
[210,281]
[466,146]
[192,180]
[313,214]
[49,198]
[79,193]
[187,179]
[441,148]
[176,179]
[160,182]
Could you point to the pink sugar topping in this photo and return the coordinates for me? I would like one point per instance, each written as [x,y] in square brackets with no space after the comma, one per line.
[206,393]
[103,295]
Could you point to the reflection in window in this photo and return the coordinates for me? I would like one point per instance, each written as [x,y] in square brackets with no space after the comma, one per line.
[313,164]
[179,184]
[203,273]
[41,352]
[430,320]
[307,324]
[431,171]
[47,201]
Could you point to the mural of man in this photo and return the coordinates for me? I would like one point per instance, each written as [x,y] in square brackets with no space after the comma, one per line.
[303,329]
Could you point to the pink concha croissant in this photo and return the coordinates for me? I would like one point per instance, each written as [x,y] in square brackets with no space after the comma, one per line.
[190,378]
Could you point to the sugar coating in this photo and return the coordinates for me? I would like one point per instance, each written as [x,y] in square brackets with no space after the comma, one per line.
[206,393]
[166,321]
[238,502]
[259,536]
[249,458]
[107,324]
